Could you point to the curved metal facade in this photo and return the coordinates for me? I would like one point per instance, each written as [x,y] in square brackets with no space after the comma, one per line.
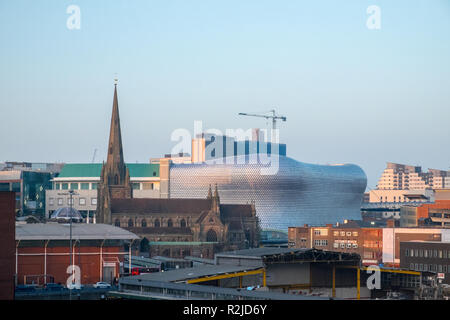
[299,193]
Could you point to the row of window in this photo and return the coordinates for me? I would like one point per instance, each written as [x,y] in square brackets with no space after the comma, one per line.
[442,254]
[75,186]
[156,223]
[429,267]
[344,233]
[345,245]
[60,201]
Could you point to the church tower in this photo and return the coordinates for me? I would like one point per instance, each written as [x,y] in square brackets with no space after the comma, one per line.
[115,176]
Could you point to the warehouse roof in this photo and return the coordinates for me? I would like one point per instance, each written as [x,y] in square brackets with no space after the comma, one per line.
[184,274]
[81,231]
[71,170]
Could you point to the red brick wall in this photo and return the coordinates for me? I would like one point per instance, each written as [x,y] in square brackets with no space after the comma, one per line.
[7,244]
[423,210]
[89,264]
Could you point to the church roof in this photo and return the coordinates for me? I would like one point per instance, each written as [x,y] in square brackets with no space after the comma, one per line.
[235,210]
[137,170]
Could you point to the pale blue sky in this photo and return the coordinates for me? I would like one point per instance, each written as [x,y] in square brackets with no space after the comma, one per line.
[350,94]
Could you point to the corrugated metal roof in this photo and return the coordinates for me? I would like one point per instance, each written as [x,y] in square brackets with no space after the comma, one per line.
[194,273]
[81,231]
[71,170]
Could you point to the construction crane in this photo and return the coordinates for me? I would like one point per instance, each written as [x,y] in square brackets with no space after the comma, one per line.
[274,117]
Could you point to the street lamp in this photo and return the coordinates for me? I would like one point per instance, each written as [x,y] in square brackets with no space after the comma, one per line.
[71,193]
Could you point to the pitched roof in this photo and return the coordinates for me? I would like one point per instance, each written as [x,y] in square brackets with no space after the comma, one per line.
[235,210]
[71,170]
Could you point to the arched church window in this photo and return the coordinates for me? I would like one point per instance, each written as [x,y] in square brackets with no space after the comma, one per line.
[211,236]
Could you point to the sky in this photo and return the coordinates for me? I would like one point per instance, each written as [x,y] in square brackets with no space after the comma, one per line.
[351,94]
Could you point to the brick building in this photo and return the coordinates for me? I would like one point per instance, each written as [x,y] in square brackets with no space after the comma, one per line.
[43,252]
[350,238]
[437,213]
[7,234]
[428,256]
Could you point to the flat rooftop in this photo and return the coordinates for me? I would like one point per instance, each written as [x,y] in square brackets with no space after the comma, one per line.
[81,231]
[201,271]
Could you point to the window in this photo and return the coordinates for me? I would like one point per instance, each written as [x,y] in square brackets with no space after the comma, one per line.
[342,245]
[183,223]
[170,223]
[144,223]
[342,233]
[60,201]
[117,223]
[416,266]
[349,234]
[84,186]
[51,201]
[425,253]
[355,245]
[411,251]
[317,232]
[335,245]
[406,253]
[136,186]
[147,186]
[94,186]
[70,201]
[440,254]
[157,223]
[57,186]
[65,186]
[130,222]
[435,253]
[349,245]
[411,266]
[82,201]
[355,233]
[444,269]
[74,186]
[440,268]
[93,201]
[335,233]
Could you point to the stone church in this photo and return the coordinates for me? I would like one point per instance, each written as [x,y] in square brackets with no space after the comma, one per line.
[170,227]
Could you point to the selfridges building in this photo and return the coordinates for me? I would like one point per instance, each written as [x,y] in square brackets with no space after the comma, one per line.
[296,194]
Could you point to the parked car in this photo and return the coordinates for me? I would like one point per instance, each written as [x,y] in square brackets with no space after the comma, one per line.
[53,287]
[75,286]
[25,288]
[102,285]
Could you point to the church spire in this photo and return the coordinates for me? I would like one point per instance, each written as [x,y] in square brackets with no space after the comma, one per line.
[115,161]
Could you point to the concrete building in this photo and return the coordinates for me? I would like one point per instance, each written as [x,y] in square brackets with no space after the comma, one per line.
[43,252]
[7,235]
[208,146]
[431,256]
[84,178]
[392,237]
[406,177]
